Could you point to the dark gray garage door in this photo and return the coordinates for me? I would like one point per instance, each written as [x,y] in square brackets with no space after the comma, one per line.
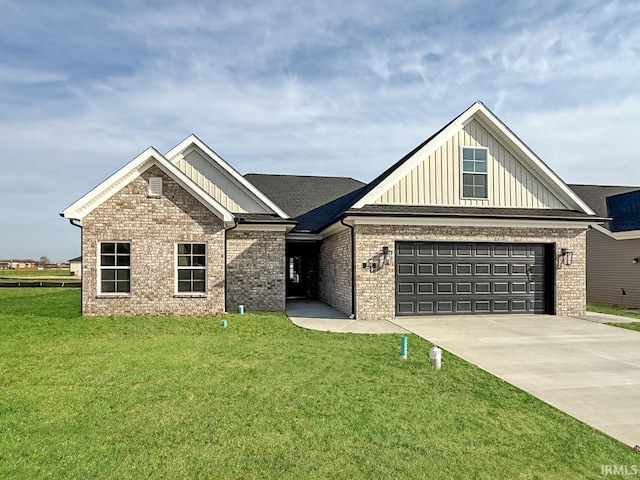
[469,278]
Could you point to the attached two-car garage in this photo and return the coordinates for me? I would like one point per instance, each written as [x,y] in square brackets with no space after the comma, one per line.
[445,278]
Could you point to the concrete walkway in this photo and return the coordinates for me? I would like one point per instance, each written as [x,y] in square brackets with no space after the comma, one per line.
[316,315]
[589,370]
[607,318]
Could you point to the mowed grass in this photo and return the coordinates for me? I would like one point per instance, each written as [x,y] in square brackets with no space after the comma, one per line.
[34,273]
[185,398]
[617,310]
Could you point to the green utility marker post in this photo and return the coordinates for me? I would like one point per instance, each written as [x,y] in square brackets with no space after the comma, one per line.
[403,347]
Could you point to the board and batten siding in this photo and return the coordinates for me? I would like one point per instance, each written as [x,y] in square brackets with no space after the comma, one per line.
[436,181]
[609,270]
[218,184]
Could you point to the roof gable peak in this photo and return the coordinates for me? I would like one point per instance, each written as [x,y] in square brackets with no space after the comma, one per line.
[192,142]
[485,117]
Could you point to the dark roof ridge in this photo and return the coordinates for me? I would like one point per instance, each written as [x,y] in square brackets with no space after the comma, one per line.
[305,176]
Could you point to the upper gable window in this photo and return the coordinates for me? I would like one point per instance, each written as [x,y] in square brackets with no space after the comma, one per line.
[474,173]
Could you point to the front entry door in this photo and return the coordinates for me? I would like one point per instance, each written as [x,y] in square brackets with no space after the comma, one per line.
[296,278]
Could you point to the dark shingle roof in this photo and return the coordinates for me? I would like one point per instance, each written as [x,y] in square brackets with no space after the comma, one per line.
[596,195]
[437,211]
[297,194]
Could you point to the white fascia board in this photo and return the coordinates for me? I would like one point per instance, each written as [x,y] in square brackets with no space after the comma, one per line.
[333,229]
[628,235]
[533,158]
[180,150]
[71,211]
[467,222]
[459,123]
[420,156]
[263,227]
[304,237]
[133,170]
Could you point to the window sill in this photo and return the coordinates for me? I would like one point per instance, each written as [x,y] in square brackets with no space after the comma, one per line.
[113,295]
[482,199]
[189,295]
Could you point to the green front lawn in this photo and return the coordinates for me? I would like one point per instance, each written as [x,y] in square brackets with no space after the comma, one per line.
[185,398]
[616,310]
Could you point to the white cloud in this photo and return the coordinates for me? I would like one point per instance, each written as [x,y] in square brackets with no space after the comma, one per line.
[334,88]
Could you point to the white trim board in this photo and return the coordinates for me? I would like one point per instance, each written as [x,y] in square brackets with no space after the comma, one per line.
[481,113]
[263,227]
[123,177]
[467,222]
[192,142]
[628,235]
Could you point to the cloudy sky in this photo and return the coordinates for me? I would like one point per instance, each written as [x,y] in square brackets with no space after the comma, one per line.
[301,87]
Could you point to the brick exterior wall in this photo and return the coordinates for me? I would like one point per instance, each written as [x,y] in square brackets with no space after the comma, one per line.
[256,270]
[153,226]
[334,285]
[375,291]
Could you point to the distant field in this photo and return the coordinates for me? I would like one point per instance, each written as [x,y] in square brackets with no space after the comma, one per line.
[34,273]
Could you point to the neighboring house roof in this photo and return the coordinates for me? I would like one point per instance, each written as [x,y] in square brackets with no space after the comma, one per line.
[299,194]
[77,259]
[624,209]
[617,202]
[596,195]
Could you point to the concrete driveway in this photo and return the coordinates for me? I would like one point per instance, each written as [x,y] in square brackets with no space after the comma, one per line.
[589,370]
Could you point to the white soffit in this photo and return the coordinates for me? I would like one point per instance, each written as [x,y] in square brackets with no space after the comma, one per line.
[182,149]
[628,235]
[479,111]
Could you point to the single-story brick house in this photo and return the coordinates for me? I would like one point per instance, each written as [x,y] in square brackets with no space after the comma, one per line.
[471,221]
[613,248]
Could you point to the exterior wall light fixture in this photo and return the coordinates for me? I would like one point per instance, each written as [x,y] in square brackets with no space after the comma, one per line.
[385,254]
[370,265]
[567,256]
[635,260]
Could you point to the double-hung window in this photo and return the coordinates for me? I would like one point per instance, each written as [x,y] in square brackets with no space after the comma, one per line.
[115,267]
[191,267]
[474,173]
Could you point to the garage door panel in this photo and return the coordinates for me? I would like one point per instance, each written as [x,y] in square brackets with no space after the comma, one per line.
[468,278]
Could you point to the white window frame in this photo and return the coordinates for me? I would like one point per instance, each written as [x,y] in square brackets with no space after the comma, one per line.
[101,267]
[178,268]
[462,172]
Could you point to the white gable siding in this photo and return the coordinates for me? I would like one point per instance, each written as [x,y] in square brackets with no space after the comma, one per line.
[218,184]
[436,181]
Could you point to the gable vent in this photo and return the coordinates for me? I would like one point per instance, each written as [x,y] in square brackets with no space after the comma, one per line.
[155,186]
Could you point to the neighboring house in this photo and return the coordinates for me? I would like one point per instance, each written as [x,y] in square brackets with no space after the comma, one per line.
[613,249]
[75,267]
[469,222]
